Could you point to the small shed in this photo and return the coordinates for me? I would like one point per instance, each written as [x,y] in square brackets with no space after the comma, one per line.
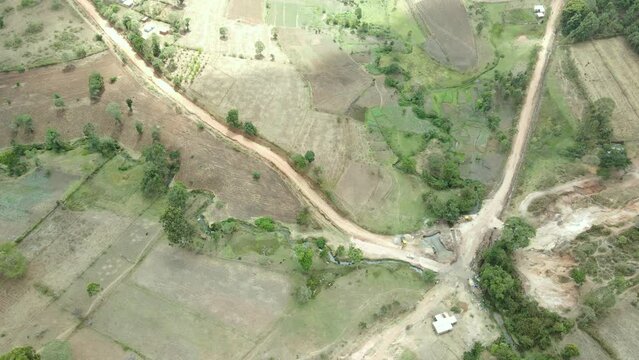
[444,323]
[540,11]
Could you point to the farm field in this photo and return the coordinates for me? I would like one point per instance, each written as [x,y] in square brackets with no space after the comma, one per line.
[609,68]
[208,162]
[162,307]
[42,33]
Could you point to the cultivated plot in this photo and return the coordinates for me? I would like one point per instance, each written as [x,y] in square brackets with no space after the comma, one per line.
[609,68]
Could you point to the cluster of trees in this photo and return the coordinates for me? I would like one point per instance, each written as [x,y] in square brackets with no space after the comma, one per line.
[160,168]
[13,160]
[302,162]
[174,220]
[96,85]
[583,20]
[21,353]
[233,119]
[530,325]
[595,134]
[465,201]
[149,49]
[106,146]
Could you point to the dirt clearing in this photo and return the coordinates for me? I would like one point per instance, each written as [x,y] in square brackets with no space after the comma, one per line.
[248,11]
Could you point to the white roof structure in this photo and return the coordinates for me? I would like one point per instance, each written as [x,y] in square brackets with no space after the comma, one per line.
[444,323]
[539,10]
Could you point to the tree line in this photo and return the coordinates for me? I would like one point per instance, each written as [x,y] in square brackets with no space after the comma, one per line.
[584,20]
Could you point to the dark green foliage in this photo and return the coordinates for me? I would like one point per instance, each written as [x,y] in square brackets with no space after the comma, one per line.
[12,263]
[309,156]
[502,351]
[583,20]
[233,118]
[93,289]
[53,142]
[139,128]
[12,159]
[250,129]
[468,199]
[299,162]
[612,157]
[159,170]
[406,165]
[304,256]
[355,255]
[531,325]
[265,223]
[58,101]
[96,85]
[442,172]
[569,351]
[177,196]
[177,228]
[129,104]
[516,233]
[21,353]
[578,275]
[475,352]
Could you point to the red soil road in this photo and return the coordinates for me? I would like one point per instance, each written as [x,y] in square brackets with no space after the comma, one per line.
[381,244]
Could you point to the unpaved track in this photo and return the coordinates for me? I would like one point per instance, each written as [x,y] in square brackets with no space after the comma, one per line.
[381,345]
[116,41]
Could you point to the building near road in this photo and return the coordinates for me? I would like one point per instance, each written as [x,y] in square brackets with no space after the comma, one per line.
[540,11]
[444,323]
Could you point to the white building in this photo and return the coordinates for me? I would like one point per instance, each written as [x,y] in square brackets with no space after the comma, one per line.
[444,323]
[540,11]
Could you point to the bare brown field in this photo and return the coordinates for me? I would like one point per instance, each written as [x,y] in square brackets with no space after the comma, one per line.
[336,79]
[609,68]
[41,35]
[208,162]
[588,348]
[248,11]
[452,41]
[89,344]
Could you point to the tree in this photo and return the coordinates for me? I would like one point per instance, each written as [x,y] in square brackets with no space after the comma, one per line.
[475,352]
[58,101]
[265,223]
[259,48]
[250,129]
[139,127]
[233,118]
[178,194]
[53,142]
[274,33]
[96,85]
[304,256]
[12,263]
[573,14]
[113,109]
[299,162]
[612,157]
[129,104]
[93,289]
[517,233]
[569,351]
[303,294]
[309,156]
[177,228]
[224,33]
[21,353]
[24,121]
[355,255]
[497,283]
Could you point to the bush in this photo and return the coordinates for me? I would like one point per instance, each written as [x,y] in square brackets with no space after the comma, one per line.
[303,217]
[309,156]
[303,294]
[578,275]
[53,142]
[93,289]
[96,85]
[299,162]
[265,223]
[233,118]
[304,257]
[56,350]
[21,353]
[12,263]
[250,129]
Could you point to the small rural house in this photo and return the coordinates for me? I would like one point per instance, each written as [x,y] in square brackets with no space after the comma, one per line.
[127,3]
[540,11]
[444,323]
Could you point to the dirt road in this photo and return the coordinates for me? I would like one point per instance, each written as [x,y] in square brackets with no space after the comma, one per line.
[472,232]
[120,45]
[381,346]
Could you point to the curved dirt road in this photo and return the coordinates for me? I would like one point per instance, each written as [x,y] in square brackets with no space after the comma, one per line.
[381,345]
[376,242]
